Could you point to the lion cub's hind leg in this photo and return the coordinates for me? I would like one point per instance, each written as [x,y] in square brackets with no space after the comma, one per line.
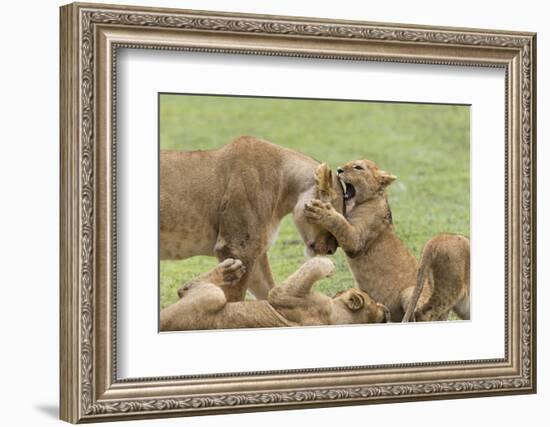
[293,292]
[300,282]
[294,300]
[201,299]
[447,258]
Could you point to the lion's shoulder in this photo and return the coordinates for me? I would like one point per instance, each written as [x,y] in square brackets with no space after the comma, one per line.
[244,143]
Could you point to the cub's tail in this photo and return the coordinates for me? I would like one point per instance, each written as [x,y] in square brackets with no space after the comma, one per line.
[420,280]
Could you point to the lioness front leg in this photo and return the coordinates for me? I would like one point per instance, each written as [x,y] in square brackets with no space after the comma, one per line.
[348,236]
[260,280]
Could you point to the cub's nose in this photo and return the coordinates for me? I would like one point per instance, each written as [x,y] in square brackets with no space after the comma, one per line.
[339,170]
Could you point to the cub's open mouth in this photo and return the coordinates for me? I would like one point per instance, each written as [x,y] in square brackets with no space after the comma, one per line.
[349,190]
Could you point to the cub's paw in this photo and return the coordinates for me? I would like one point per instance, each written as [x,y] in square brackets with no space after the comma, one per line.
[322,266]
[231,270]
[317,211]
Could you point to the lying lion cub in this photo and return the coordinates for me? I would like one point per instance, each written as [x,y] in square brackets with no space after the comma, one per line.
[203,305]
[446,264]
[381,263]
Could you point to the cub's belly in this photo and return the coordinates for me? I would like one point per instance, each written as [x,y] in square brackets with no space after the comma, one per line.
[178,245]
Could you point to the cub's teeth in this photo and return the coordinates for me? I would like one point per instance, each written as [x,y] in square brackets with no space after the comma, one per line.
[343,184]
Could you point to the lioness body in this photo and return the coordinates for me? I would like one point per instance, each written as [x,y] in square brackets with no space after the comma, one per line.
[446,264]
[380,262]
[229,203]
[203,304]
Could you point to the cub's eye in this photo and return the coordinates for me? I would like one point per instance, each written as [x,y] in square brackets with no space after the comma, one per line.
[360,168]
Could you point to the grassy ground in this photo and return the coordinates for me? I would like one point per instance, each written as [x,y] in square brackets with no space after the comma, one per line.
[426,146]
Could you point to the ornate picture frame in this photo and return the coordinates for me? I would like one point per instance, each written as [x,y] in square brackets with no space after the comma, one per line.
[90,37]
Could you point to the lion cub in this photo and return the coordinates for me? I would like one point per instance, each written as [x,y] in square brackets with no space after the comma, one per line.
[381,263]
[203,304]
[446,264]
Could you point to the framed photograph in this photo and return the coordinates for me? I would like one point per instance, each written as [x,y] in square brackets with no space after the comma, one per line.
[266,213]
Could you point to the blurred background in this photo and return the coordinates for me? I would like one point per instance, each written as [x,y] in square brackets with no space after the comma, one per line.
[426,146]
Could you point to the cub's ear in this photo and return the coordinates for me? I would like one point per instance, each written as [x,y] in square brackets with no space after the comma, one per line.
[385,178]
[324,183]
[355,301]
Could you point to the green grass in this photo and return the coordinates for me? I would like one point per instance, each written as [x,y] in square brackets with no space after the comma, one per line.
[426,146]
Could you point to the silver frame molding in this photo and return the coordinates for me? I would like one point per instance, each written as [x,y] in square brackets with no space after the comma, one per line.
[90,37]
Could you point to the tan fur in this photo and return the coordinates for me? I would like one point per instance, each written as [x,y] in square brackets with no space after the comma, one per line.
[229,203]
[446,263]
[203,305]
[381,264]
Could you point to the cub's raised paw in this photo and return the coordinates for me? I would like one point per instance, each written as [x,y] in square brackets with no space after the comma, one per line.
[316,210]
[324,267]
[232,270]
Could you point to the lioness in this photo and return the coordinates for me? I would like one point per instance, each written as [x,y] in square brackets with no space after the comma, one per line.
[229,203]
[202,303]
[381,263]
[446,264]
